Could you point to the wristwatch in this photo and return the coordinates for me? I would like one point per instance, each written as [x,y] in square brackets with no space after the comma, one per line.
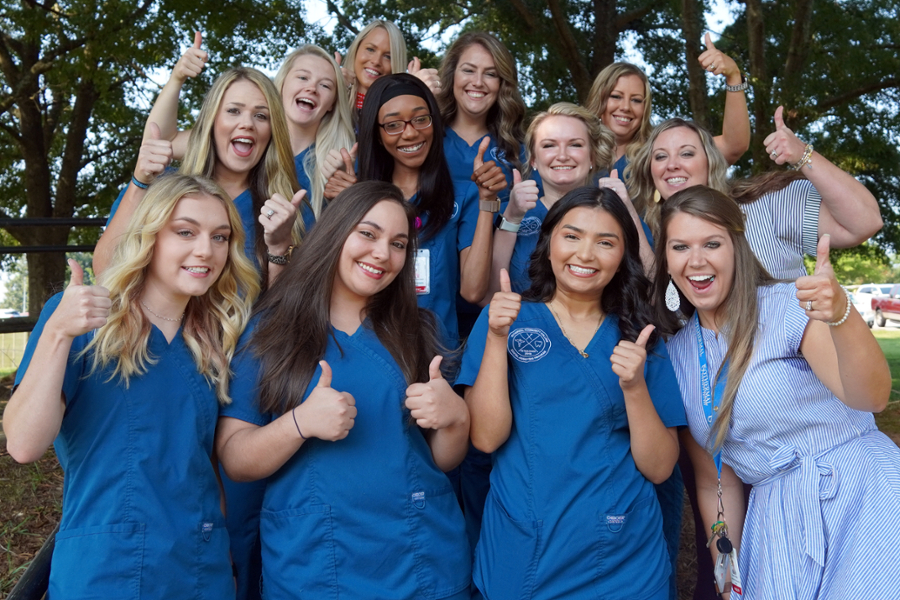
[742,86]
[280,260]
[489,205]
[504,225]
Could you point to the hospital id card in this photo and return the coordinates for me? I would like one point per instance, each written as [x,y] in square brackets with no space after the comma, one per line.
[423,272]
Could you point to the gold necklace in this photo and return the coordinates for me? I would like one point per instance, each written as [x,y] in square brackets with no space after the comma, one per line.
[558,320]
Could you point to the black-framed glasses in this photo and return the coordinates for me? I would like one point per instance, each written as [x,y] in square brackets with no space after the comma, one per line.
[397,127]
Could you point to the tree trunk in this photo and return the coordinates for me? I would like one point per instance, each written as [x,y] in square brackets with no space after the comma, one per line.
[691,20]
[760,81]
[605,35]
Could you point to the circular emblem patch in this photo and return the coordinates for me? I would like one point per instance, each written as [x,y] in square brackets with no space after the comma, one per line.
[530,226]
[528,344]
[455,210]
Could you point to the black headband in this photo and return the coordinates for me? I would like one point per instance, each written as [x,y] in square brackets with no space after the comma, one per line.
[403,88]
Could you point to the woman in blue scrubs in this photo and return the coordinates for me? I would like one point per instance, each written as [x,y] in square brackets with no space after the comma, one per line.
[400,141]
[318,115]
[240,140]
[572,389]
[339,400]
[480,97]
[127,379]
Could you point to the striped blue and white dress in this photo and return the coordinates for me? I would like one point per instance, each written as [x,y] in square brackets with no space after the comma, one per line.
[783,226]
[823,522]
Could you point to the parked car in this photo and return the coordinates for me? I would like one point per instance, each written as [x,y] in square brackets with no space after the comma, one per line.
[8,313]
[887,308]
[862,299]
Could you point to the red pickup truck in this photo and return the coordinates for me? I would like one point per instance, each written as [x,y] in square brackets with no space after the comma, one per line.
[887,308]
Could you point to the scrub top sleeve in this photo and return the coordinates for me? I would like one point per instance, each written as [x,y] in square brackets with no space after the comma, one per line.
[784,301]
[74,364]
[810,231]
[663,386]
[467,200]
[245,385]
[474,351]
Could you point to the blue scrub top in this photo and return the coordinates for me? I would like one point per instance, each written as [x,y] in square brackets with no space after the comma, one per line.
[141,515]
[444,248]
[569,515]
[369,516]
[460,156]
[302,177]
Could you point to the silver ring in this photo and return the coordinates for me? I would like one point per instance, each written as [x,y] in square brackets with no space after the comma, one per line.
[774,155]
[711,67]
[809,305]
[269,213]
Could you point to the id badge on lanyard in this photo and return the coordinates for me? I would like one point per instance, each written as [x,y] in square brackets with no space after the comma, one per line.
[423,272]
[727,563]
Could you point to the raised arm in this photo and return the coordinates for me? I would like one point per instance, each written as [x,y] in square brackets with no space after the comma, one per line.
[522,198]
[845,357]
[33,417]
[443,415]
[250,452]
[646,251]
[165,110]
[849,212]
[488,399]
[653,445]
[475,261]
[735,137]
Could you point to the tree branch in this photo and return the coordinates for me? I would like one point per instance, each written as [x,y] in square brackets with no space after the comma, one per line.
[569,49]
[829,103]
[342,18]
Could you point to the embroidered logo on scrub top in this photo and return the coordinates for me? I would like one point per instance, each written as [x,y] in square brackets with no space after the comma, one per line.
[499,156]
[529,226]
[615,522]
[455,210]
[528,344]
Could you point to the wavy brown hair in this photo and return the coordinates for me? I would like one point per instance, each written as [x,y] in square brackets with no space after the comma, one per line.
[506,117]
[293,329]
[741,307]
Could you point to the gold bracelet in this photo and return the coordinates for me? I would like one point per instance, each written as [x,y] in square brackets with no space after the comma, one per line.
[806,159]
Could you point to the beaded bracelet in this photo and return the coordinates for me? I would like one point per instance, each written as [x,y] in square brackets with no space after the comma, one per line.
[806,159]
[846,312]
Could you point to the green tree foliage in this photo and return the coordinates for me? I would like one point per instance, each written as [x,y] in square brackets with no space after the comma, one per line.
[864,264]
[74,94]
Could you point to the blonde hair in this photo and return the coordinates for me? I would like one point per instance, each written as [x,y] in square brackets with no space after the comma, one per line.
[335,130]
[274,173]
[398,51]
[602,141]
[505,118]
[603,86]
[212,322]
[639,179]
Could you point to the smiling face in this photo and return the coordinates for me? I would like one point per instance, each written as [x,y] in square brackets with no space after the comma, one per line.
[373,59]
[625,108]
[409,149]
[678,161]
[242,130]
[586,249]
[476,82]
[309,90]
[562,154]
[373,255]
[700,257]
[190,251]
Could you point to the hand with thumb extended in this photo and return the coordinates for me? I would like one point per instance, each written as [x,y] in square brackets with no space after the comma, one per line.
[522,198]
[429,77]
[487,175]
[820,294]
[782,145]
[154,156]
[82,307]
[628,359]
[326,413]
[504,307]
[716,62]
[191,62]
[434,405]
[615,184]
[343,177]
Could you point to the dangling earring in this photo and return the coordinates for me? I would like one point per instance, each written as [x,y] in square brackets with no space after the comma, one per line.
[673,300]
[656,197]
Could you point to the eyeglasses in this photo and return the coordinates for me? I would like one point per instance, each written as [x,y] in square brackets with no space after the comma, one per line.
[397,127]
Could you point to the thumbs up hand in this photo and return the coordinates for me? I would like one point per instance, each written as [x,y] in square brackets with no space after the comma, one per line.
[434,405]
[154,156]
[504,307]
[819,294]
[782,145]
[429,77]
[487,175]
[326,413]
[82,308]
[628,359]
[717,62]
[522,198]
[192,61]
[277,217]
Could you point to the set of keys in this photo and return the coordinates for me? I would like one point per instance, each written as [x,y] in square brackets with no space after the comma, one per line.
[727,562]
